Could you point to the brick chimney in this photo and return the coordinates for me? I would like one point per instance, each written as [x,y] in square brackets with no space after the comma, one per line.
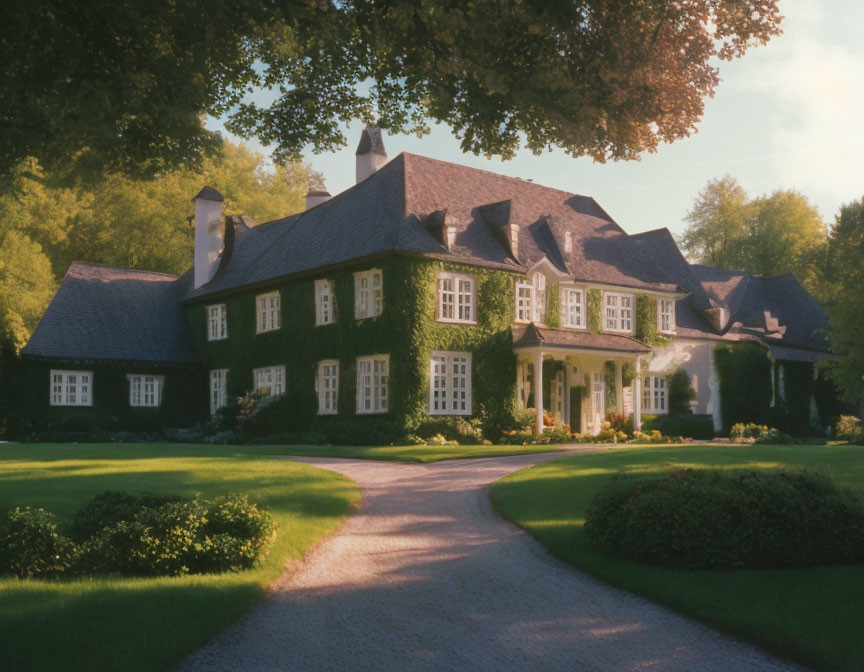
[208,235]
[371,154]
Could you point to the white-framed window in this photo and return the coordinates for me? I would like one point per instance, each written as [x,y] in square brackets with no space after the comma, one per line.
[145,391]
[531,299]
[373,383]
[456,298]
[325,302]
[368,294]
[654,394]
[218,389]
[573,307]
[270,380]
[217,322]
[619,312]
[666,316]
[71,388]
[450,383]
[268,312]
[327,385]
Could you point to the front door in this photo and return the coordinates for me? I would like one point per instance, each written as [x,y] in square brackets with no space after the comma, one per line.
[598,401]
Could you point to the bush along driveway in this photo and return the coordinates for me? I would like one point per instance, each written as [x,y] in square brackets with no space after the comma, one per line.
[425,576]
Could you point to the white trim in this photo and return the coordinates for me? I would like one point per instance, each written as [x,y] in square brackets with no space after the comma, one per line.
[450,383]
[462,301]
[661,313]
[581,323]
[268,312]
[218,389]
[145,390]
[325,302]
[368,293]
[373,384]
[524,304]
[70,388]
[217,322]
[327,387]
[656,389]
[616,317]
[270,378]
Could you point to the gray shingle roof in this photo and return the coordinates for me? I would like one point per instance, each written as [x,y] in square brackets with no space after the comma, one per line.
[532,336]
[102,312]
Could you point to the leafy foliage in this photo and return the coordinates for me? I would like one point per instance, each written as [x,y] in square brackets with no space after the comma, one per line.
[849,428]
[780,233]
[646,321]
[744,371]
[681,393]
[30,545]
[711,519]
[110,507]
[595,78]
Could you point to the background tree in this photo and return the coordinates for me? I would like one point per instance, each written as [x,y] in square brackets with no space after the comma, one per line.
[780,233]
[90,87]
[845,278]
[124,222]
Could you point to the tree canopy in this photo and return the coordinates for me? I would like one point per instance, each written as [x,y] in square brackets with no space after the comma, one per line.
[99,86]
[124,222]
[779,233]
[845,277]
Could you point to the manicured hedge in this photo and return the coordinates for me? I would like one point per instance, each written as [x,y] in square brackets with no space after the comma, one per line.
[711,519]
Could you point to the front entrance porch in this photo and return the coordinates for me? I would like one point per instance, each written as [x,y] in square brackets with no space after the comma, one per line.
[578,377]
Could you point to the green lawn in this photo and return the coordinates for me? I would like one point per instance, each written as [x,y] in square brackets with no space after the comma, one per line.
[815,616]
[148,624]
[406,453]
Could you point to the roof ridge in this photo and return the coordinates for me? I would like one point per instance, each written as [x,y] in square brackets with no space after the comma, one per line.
[76,262]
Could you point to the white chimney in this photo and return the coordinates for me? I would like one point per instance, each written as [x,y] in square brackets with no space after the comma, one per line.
[371,154]
[316,197]
[208,234]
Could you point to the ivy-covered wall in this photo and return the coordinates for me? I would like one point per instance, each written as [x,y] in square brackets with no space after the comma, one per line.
[406,330]
[744,372]
[183,403]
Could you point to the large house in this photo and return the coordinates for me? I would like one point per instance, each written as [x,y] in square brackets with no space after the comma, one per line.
[426,289]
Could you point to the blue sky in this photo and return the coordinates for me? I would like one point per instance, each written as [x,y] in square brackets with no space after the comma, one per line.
[786,115]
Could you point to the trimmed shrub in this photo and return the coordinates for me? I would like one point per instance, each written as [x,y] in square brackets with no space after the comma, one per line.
[463,431]
[691,426]
[110,507]
[710,519]
[848,428]
[681,393]
[30,545]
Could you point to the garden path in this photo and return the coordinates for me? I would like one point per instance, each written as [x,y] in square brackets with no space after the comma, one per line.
[424,576]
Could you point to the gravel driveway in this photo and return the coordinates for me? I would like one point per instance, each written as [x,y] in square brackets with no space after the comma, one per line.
[424,576]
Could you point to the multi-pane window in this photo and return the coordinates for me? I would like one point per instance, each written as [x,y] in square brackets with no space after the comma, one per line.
[71,388]
[328,387]
[325,302]
[619,312]
[456,298]
[573,307]
[270,380]
[667,315]
[654,394]
[531,299]
[145,391]
[373,383]
[217,322]
[268,312]
[218,389]
[450,383]
[368,294]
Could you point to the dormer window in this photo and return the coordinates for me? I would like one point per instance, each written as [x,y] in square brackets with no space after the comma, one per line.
[619,312]
[531,299]
[666,319]
[325,302]
[368,294]
[456,298]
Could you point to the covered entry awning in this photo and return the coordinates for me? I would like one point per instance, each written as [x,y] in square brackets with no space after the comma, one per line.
[587,349]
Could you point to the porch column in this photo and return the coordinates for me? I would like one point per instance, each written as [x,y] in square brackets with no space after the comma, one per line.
[637,396]
[566,405]
[538,391]
[619,387]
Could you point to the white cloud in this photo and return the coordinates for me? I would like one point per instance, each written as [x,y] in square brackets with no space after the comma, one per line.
[815,84]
